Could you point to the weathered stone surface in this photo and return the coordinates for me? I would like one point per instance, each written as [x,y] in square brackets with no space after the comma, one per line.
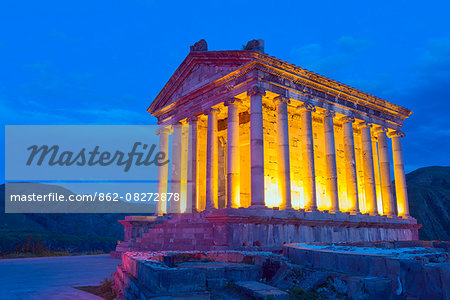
[261,291]
[390,268]
[249,229]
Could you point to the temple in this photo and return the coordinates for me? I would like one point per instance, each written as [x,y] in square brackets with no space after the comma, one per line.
[265,152]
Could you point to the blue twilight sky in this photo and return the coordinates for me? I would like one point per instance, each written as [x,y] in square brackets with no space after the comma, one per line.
[103,62]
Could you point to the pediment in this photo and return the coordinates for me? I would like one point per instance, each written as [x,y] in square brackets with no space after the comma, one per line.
[197,71]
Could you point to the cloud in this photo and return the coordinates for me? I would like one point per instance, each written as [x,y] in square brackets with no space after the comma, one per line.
[436,56]
[427,94]
[348,44]
[332,59]
[419,83]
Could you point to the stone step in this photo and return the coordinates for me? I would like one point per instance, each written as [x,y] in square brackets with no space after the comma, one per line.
[260,290]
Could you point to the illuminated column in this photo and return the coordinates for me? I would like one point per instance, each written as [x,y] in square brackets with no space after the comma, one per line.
[163,170]
[175,186]
[330,161]
[376,168]
[256,147]
[284,168]
[385,172]
[191,200]
[212,160]
[350,165]
[233,157]
[369,181]
[309,175]
[399,174]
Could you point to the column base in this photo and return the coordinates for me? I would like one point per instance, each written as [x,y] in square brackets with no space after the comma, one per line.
[257,206]
[287,208]
[354,212]
[209,209]
[311,209]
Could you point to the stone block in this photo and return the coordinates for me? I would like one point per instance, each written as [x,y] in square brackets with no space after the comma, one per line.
[216,283]
[411,277]
[261,291]
[433,285]
[376,288]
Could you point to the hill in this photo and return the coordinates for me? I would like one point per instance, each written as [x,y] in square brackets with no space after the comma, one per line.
[429,201]
[73,232]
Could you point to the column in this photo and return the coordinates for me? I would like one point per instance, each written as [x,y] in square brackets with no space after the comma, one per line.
[330,161]
[233,157]
[284,168]
[369,177]
[212,163]
[256,147]
[350,165]
[307,144]
[175,186]
[385,173]
[163,170]
[191,200]
[399,174]
[376,168]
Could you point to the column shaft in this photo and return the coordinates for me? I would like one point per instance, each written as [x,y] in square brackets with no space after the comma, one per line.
[385,172]
[284,168]
[233,155]
[212,163]
[257,147]
[163,171]
[330,162]
[350,165]
[376,168]
[191,200]
[399,175]
[307,144]
[369,177]
[175,186]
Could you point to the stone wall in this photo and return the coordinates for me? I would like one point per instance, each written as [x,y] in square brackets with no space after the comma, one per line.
[416,269]
[266,229]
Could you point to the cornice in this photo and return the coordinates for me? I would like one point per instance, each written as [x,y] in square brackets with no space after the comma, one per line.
[252,60]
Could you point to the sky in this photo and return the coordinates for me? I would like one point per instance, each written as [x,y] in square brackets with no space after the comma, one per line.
[103,62]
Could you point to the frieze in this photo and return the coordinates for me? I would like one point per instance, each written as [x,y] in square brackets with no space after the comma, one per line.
[338,100]
[282,85]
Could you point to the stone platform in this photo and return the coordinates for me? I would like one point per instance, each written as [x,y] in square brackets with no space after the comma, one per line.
[189,275]
[400,270]
[258,229]
[396,270]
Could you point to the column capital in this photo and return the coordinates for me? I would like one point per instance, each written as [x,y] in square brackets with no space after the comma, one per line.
[348,119]
[233,101]
[256,90]
[328,113]
[164,130]
[280,99]
[396,133]
[192,119]
[380,130]
[364,125]
[306,106]
[211,111]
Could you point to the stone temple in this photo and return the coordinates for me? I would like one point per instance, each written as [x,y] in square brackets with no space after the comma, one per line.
[266,153]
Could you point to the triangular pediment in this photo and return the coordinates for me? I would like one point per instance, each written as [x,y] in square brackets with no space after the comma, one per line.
[197,71]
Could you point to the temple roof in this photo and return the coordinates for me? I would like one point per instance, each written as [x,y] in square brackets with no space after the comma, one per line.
[201,68]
